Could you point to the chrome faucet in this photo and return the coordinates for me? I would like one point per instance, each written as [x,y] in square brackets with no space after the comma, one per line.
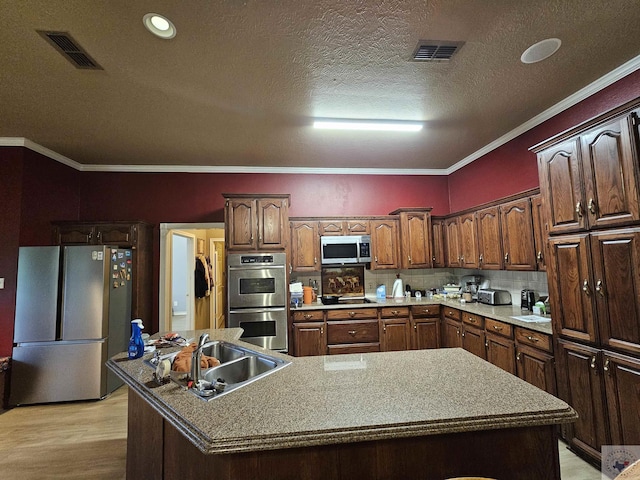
[196,370]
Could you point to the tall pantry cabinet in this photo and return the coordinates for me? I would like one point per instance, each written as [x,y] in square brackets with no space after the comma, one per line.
[589,184]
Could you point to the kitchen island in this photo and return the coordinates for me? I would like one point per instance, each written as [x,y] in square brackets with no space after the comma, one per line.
[411,414]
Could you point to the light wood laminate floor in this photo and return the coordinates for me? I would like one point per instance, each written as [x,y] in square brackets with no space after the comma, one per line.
[88,440]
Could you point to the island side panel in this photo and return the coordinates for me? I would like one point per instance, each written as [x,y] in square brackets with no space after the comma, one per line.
[145,440]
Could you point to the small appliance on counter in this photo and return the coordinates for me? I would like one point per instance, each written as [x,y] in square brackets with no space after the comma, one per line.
[472,283]
[490,296]
[527,299]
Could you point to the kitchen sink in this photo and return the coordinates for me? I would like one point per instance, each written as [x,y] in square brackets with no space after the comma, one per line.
[238,367]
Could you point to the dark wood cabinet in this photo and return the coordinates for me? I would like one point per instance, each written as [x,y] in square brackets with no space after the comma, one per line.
[622,385]
[451,327]
[256,222]
[425,326]
[501,352]
[305,246]
[516,226]
[536,367]
[384,244]
[474,341]
[453,251]
[540,232]
[138,236]
[580,384]
[353,331]
[415,238]
[489,239]
[438,246]
[340,226]
[590,179]
[468,241]
[309,339]
[395,328]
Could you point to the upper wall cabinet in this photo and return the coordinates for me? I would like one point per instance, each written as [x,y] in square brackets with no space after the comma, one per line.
[590,180]
[438,248]
[489,238]
[354,226]
[384,244]
[540,231]
[256,222]
[415,238]
[517,235]
[305,246]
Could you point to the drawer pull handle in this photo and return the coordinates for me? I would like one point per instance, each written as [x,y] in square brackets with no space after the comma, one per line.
[579,209]
[585,287]
[496,327]
[605,367]
[472,320]
[532,338]
[600,287]
[592,363]
[352,332]
[395,312]
[308,316]
[592,206]
[519,357]
[539,256]
[352,314]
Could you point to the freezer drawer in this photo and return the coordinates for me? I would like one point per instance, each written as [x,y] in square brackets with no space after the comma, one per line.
[58,372]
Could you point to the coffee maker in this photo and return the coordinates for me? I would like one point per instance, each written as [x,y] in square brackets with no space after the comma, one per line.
[527,299]
[472,283]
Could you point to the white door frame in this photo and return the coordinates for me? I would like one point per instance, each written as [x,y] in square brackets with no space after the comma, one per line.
[164,293]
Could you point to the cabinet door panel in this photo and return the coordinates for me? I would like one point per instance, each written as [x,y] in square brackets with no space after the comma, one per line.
[568,270]
[610,174]
[416,247]
[358,227]
[501,352]
[540,232]
[384,239]
[426,333]
[452,242]
[272,223]
[395,335]
[536,368]
[473,340]
[309,339]
[561,186]
[622,379]
[437,227]
[242,224]
[74,235]
[451,333]
[580,385]
[468,241]
[331,227]
[121,235]
[517,235]
[489,239]
[616,265]
[305,246]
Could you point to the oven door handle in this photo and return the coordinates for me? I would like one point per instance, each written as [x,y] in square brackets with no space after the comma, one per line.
[258,310]
[251,268]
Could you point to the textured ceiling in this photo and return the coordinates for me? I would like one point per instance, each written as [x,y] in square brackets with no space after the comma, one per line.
[241,81]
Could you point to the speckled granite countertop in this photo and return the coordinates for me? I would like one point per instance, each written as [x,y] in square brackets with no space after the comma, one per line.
[504,313]
[348,398]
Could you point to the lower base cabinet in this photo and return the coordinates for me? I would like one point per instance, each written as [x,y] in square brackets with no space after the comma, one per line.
[309,339]
[501,352]
[425,326]
[536,367]
[604,388]
[473,340]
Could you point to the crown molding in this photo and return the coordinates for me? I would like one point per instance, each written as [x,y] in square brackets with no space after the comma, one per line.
[594,87]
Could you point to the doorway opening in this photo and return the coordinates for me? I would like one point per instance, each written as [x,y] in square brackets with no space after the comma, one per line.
[192,293]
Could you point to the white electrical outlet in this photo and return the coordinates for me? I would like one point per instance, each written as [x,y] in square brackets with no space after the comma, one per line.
[1,283]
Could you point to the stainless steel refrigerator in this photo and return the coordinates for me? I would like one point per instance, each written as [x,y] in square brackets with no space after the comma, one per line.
[73,312]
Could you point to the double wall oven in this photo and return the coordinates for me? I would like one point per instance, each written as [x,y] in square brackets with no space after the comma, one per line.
[257,297]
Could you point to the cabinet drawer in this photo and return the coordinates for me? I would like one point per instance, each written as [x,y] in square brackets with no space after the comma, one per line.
[421,311]
[354,348]
[352,332]
[473,319]
[394,312]
[308,316]
[452,313]
[498,328]
[352,314]
[535,339]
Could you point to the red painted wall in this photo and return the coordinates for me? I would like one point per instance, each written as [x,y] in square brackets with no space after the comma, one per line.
[512,168]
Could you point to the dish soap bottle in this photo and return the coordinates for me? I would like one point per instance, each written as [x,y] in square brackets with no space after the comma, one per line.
[136,345]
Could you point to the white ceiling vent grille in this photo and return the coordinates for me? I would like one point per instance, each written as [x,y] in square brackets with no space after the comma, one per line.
[435,50]
[70,49]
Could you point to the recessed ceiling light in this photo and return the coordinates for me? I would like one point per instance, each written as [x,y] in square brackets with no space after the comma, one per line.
[541,50]
[159,25]
[376,125]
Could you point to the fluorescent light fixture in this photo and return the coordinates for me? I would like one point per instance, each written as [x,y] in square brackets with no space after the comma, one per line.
[376,125]
[159,25]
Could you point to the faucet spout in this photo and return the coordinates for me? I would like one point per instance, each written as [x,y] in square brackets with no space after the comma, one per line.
[196,370]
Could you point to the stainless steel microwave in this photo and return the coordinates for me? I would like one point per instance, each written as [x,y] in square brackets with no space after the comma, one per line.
[345,249]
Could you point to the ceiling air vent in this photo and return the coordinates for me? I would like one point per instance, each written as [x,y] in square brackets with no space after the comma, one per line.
[435,51]
[70,49]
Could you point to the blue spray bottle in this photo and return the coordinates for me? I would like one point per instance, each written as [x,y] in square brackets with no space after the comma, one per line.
[136,344]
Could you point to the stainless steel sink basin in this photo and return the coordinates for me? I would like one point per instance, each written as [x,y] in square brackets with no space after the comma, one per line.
[238,367]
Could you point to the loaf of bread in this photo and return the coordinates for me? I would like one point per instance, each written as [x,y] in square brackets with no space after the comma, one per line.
[182,361]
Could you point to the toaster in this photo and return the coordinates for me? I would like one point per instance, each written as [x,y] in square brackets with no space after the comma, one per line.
[491,296]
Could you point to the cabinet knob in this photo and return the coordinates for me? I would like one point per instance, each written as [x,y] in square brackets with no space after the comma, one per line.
[539,256]
[433,259]
[315,260]
[579,211]
[351,332]
[395,312]
[592,363]
[496,327]
[472,320]
[415,327]
[506,257]
[605,367]
[352,314]
[585,287]
[600,287]
[463,334]
[592,206]
[532,338]
[409,257]
[307,316]
[480,258]
[519,357]
[375,259]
